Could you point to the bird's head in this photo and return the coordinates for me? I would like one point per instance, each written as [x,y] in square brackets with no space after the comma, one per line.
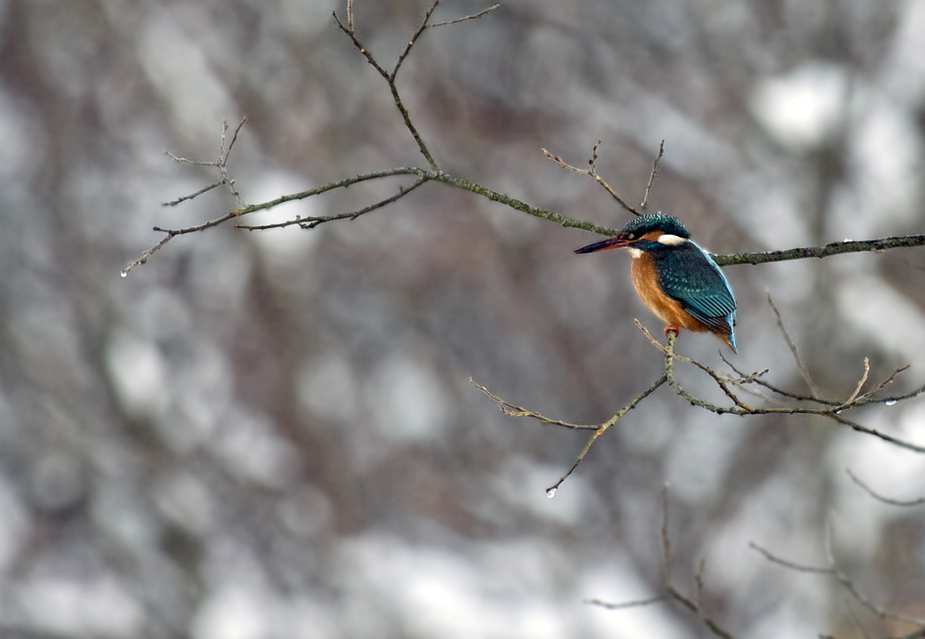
[644,233]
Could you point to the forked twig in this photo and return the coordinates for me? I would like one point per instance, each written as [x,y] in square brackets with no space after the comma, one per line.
[599,429]
[592,171]
[866,397]
[861,383]
[671,592]
[833,570]
[225,179]
[390,76]
[313,221]
[221,164]
[757,379]
[670,353]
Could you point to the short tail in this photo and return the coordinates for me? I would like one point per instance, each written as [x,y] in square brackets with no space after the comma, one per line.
[730,341]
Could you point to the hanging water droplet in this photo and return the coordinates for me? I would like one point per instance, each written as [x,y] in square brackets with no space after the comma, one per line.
[550,493]
[123,274]
[890,402]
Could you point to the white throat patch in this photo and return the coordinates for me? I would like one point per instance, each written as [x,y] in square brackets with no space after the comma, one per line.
[671,240]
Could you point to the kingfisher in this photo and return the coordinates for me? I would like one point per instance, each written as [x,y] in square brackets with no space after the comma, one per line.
[674,277]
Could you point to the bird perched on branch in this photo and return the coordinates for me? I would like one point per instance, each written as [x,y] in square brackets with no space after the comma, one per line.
[676,279]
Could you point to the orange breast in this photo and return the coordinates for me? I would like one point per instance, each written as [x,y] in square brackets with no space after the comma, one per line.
[645,280]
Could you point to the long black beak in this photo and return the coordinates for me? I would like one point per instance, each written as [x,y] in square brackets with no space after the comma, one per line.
[614,242]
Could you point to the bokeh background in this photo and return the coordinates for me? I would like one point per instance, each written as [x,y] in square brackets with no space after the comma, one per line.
[271,435]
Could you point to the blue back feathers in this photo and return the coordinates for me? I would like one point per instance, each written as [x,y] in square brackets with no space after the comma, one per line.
[688,274]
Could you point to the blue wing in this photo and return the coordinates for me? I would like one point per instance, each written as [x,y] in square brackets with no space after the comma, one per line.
[690,276]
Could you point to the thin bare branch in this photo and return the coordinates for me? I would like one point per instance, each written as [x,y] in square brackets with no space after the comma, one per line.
[349,30]
[183,160]
[147,253]
[692,605]
[879,497]
[698,583]
[199,227]
[666,540]
[872,431]
[414,38]
[804,373]
[474,16]
[758,393]
[731,387]
[627,604]
[861,383]
[196,194]
[519,411]
[889,380]
[789,564]
[514,203]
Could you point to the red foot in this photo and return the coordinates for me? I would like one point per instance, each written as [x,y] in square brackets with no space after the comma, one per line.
[672,329]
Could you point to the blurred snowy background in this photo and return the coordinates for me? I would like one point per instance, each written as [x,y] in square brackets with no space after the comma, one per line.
[271,435]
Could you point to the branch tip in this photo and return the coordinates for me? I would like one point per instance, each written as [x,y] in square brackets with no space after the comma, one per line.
[652,175]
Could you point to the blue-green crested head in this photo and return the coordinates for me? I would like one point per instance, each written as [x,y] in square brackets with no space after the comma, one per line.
[671,233]
[661,222]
